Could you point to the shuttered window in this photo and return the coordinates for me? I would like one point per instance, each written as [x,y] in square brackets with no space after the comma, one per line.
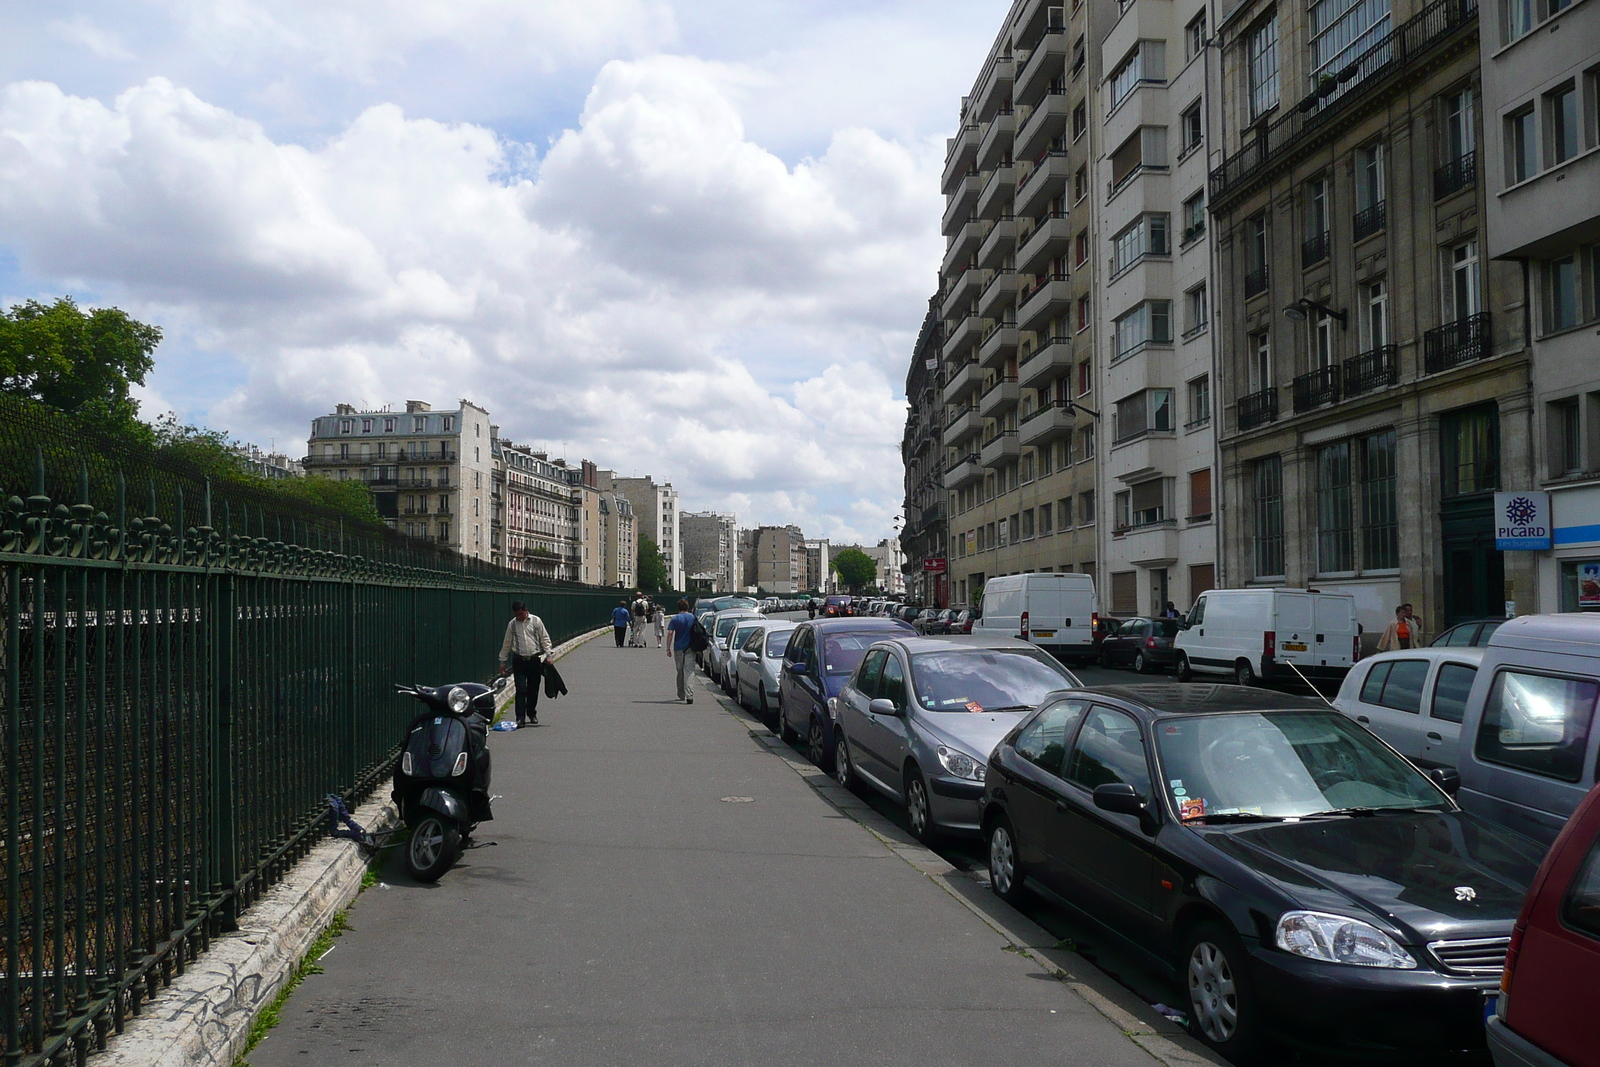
[1124,592]
[1200,494]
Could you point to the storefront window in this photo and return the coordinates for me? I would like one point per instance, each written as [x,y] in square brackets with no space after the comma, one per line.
[1580,585]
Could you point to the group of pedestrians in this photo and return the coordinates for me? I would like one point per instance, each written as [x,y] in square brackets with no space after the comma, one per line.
[631,621]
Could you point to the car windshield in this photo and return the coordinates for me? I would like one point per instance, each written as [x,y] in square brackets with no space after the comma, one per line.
[1282,764]
[742,634]
[986,679]
[725,626]
[778,642]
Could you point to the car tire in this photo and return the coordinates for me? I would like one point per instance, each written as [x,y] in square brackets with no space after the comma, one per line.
[919,811]
[843,771]
[1140,664]
[817,745]
[1185,672]
[1222,1010]
[1005,868]
[1243,673]
[1101,659]
[761,700]
[786,732]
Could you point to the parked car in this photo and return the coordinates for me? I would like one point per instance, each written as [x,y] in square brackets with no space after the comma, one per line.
[1255,634]
[1467,634]
[1550,993]
[820,657]
[920,715]
[835,607]
[728,660]
[1104,627]
[759,662]
[1295,873]
[1527,755]
[1054,611]
[964,620]
[720,627]
[1142,642]
[1413,699]
[930,621]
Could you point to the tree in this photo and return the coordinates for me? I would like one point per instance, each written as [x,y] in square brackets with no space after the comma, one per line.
[650,569]
[854,567]
[79,362]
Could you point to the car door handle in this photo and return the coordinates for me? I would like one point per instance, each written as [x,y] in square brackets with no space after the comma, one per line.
[1061,807]
[1435,737]
[1362,719]
[1202,633]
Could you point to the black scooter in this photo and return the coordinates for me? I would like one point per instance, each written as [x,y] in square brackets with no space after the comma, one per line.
[442,784]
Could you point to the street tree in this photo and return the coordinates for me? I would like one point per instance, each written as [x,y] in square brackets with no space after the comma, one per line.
[855,568]
[80,362]
[651,569]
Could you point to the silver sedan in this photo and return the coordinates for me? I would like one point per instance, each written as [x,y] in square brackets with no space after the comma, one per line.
[756,667]
[720,626]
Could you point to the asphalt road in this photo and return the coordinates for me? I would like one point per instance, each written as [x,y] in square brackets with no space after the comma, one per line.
[664,888]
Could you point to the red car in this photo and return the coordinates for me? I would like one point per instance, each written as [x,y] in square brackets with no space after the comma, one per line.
[1550,992]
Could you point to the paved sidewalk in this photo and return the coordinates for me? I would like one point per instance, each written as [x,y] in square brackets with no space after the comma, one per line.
[665,891]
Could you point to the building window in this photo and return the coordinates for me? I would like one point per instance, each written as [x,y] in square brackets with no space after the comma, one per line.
[1522,147]
[1080,248]
[1027,524]
[1267,494]
[1322,353]
[1141,413]
[1085,377]
[1086,442]
[1146,236]
[1194,217]
[1335,546]
[1046,517]
[1469,448]
[1145,147]
[1080,120]
[1194,36]
[1064,512]
[1380,527]
[347,425]
[1460,134]
[1255,255]
[1083,313]
[1080,184]
[1375,314]
[1342,30]
[1196,310]
[1519,18]
[1565,440]
[1086,508]
[1193,127]
[1562,301]
[1200,495]
[1314,249]
[1461,292]
[1261,362]
[1262,46]
[1199,401]
[1146,63]
[1149,323]
[1561,124]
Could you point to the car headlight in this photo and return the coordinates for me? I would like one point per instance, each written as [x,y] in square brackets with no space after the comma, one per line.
[833,708]
[961,765]
[458,700]
[1340,939]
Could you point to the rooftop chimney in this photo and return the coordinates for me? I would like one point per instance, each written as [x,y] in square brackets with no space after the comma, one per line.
[413,406]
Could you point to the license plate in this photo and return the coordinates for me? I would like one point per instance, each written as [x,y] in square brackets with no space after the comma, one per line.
[1044,633]
[1491,1004]
[1294,646]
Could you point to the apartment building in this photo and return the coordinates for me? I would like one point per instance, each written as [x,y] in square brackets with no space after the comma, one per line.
[710,552]
[609,533]
[775,559]
[1017,302]
[819,576]
[655,508]
[537,527]
[1367,333]
[925,538]
[1155,356]
[430,472]
[1540,111]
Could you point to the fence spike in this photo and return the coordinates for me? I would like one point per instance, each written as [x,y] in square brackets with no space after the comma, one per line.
[38,470]
[206,515]
[83,483]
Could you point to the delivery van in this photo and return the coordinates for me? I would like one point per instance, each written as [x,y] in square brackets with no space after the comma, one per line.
[1255,634]
[1057,612]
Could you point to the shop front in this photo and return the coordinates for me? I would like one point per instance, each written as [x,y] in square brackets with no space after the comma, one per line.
[1569,574]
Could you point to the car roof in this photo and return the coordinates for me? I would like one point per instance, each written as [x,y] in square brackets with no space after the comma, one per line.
[914,643]
[1164,698]
[1574,633]
[858,624]
[1472,653]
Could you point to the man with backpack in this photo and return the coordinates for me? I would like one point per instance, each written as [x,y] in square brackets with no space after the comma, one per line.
[686,634]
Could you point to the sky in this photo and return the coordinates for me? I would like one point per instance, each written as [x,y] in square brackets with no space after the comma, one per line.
[690,239]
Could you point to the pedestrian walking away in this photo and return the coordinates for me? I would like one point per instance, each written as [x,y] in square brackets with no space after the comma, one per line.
[620,618]
[523,653]
[681,626]
[640,616]
[658,617]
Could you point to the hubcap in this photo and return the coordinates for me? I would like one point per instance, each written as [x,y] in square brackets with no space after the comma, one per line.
[1212,993]
[426,844]
[1002,860]
[814,742]
[1138,663]
[917,807]
[841,762]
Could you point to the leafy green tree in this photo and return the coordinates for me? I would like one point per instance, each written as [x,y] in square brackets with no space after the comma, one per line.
[83,363]
[650,569]
[855,568]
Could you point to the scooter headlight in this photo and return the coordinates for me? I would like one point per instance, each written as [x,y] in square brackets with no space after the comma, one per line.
[461,765]
[405,763]
[458,700]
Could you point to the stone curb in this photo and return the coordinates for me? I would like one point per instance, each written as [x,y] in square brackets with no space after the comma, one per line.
[203,1018]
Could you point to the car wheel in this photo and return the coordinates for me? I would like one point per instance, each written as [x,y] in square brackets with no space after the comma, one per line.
[1101,659]
[1185,672]
[919,813]
[843,772]
[1139,663]
[817,745]
[786,732]
[1221,1012]
[761,700]
[1005,870]
[1243,673]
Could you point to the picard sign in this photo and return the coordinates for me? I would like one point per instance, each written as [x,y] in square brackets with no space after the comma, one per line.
[1521,521]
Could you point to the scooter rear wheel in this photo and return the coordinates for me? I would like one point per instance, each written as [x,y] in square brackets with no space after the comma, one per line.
[435,843]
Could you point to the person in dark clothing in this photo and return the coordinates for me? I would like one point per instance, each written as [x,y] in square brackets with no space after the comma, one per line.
[621,617]
[523,652]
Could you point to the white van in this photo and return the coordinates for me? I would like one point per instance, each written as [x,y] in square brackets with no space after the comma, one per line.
[1254,634]
[1057,612]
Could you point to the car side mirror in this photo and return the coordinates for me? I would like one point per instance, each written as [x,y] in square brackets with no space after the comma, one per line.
[883,706]
[1447,779]
[1118,797]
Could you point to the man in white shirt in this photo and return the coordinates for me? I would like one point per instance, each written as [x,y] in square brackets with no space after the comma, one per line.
[526,646]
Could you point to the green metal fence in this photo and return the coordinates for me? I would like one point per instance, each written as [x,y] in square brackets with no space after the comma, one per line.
[184,678]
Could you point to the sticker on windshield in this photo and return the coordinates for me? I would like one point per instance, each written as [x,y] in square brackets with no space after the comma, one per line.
[974,707]
[1191,808]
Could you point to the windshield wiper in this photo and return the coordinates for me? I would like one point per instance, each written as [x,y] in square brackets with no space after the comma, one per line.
[1009,707]
[1367,813]
[1232,816]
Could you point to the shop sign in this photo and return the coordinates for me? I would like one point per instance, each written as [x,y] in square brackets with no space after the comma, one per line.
[1521,521]
[1589,585]
[934,565]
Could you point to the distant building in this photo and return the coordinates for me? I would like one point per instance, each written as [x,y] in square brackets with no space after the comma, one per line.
[272,465]
[655,508]
[710,551]
[537,522]
[818,577]
[777,559]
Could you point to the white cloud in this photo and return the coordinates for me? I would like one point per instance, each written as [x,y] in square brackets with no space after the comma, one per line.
[84,31]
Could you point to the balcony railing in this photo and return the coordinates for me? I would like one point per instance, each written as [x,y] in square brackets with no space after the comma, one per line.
[1255,282]
[1195,232]
[1314,250]
[1371,369]
[1044,280]
[999,383]
[1371,220]
[1454,343]
[1401,47]
[1259,408]
[1455,175]
[1045,408]
[1319,387]
[414,483]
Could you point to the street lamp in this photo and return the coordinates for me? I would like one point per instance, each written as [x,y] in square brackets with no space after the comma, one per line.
[1297,311]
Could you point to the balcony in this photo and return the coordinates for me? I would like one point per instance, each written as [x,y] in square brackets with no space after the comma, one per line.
[960,151]
[999,243]
[1314,250]
[964,471]
[1255,283]
[1050,239]
[1045,124]
[999,295]
[414,483]
[330,461]
[1258,409]
[995,91]
[961,381]
[1045,423]
[1369,221]
[1044,65]
[1456,343]
[1315,119]
[1046,300]
[964,244]
[995,148]
[1047,179]
[1150,541]
[1317,388]
[995,200]
[1001,450]
[963,424]
[999,344]
[961,202]
[1456,175]
[1375,368]
[962,292]
[1001,396]
[1050,361]
[963,338]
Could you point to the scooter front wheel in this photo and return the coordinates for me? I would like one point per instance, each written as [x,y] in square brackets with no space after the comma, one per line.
[435,843]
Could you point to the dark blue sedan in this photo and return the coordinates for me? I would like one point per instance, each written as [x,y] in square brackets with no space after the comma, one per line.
[820,659]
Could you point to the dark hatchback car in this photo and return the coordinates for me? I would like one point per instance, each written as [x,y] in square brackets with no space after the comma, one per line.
[1474,634]
[1143,643]
[1298,876]
[820,658]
